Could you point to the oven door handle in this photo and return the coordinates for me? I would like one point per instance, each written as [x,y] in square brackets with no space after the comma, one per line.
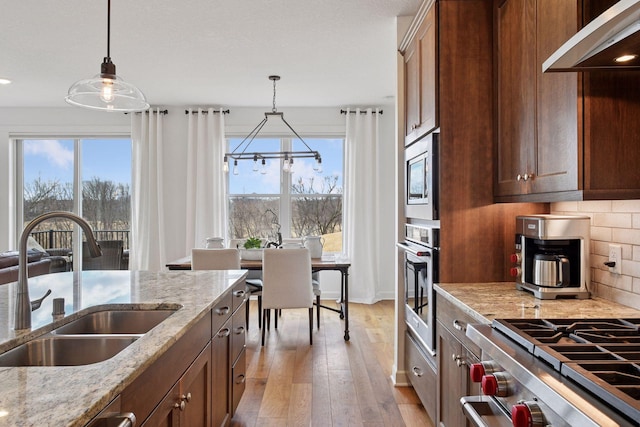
[492,414]
[411,250]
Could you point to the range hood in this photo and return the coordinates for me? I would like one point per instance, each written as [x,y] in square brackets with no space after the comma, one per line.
[603,42]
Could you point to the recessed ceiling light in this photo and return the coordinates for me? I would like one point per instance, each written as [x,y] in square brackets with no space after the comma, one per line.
[4,81]
[625,58]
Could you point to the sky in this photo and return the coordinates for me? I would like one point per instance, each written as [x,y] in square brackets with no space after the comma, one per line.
[51,159]
[110,159]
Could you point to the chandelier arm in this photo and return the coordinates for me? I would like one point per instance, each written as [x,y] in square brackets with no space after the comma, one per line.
[252,134]
[295,133]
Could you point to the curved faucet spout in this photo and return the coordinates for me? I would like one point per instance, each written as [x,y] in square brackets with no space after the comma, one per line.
[23,304]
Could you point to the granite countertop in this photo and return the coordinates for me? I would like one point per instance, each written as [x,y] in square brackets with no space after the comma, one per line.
[487,301]
[72,395]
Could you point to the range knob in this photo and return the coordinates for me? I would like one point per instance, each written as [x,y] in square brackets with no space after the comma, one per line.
[527,414]
[479,370]
[515,272]
[515,258]
[496,384]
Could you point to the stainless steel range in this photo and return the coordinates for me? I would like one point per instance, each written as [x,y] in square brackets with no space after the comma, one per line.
[556,372]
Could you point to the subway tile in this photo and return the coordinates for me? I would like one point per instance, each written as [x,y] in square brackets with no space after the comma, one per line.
[595,206]
[616,220]
[636,285]
[636,220]
[564,207]
[636,253]
[599,248]
[631,268]
[625,205]
[629,236]
[601,233]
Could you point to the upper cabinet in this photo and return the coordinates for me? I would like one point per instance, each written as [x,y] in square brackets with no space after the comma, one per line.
[421,89]
[559,136]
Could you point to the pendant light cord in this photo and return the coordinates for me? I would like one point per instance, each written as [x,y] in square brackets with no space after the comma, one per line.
[109,29]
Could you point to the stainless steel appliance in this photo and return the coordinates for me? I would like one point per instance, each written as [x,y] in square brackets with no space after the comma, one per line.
[421,178]
[556,372]
[421,249]
[552,256]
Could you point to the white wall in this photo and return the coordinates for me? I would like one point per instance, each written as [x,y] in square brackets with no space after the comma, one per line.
[308,121]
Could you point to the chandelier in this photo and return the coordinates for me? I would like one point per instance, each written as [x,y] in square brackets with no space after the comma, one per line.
[106,91]
[242,152]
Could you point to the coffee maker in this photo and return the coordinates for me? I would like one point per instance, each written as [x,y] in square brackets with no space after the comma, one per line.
[552,256]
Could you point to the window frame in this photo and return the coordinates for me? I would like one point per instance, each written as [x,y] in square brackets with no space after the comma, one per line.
[286,196]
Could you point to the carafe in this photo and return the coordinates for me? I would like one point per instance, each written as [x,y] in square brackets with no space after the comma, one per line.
[214,243]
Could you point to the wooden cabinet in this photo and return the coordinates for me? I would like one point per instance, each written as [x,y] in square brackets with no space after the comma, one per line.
[188,403]
[191,383]
[549,125]
[421,86]
[455,354]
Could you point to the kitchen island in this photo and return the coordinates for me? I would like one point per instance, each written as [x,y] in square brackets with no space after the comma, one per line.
[73,395]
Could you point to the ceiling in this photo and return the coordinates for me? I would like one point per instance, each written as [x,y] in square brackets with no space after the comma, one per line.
[205,52]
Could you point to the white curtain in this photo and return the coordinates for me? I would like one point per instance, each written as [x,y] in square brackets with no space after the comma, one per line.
[147,246]
[206,211]
[361,203]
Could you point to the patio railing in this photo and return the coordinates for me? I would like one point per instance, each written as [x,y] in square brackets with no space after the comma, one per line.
[62,239]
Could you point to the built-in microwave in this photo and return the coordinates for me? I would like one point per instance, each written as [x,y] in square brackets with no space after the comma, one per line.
[421,178]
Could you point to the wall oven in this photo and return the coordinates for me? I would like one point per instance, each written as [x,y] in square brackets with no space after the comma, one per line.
[421,178]
[421,249]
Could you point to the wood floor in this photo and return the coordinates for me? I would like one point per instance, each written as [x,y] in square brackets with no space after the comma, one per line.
[332,382]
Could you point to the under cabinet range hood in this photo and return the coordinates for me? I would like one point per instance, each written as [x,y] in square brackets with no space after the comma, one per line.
[610,41]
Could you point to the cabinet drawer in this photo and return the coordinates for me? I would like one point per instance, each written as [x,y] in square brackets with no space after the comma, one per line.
[238,380]
[422,375]
[239,295]
[238,331]
[456,321]
[222,312]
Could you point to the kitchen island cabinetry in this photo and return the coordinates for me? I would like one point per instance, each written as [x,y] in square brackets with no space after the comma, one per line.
[422,373]
[455,354]
[421,89]
[552,128]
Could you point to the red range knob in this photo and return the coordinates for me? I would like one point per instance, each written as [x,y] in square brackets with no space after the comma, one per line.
[476,371]
[515,258]
[489,385]
[521,415]
[515,271]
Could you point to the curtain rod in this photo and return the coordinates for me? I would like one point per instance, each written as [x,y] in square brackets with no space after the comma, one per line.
[361,112]
[153,111]
[206,112]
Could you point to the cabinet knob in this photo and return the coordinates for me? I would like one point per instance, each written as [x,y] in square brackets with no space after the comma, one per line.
[186,397]
[459,325]
[241,378]
[518,177]
[458,359]
[417,371]
[180,405]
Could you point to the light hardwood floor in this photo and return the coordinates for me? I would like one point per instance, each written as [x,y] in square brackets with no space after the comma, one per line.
[332,382]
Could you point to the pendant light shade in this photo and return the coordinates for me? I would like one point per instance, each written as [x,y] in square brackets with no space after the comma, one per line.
[106,91]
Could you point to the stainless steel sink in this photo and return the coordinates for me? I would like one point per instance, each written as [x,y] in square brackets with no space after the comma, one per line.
[65,350]
[115,322]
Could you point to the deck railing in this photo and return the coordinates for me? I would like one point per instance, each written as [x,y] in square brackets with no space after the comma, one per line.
[61,239]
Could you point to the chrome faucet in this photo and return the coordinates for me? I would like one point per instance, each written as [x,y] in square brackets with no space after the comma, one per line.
[23,304]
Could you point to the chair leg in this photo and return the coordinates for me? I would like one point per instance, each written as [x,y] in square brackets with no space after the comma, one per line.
[259,311]
[247,311]
[264,316]
[275,317]
[311,326]
[318,309]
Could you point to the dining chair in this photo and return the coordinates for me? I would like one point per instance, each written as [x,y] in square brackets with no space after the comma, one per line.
[226,259]
[286,276]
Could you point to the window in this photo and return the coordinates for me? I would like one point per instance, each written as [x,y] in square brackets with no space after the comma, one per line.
[302,202]
[88,176]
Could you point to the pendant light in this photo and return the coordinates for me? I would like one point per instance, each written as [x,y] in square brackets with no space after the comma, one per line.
[241,151]
[106,91]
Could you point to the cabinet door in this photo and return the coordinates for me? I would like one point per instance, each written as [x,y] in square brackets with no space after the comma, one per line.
[166,414]
[221,371]
[195,390]
[453,375]
[556,161]
[421,94]
[515,74]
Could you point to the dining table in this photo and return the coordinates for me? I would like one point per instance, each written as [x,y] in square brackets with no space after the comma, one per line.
[326,263]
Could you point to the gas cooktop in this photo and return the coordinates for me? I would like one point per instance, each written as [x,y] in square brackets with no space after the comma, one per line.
[601,355]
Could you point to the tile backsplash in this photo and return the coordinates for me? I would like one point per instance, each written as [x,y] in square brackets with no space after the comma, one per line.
[612,222]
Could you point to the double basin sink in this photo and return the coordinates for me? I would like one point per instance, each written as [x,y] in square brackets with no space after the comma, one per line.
[91,338]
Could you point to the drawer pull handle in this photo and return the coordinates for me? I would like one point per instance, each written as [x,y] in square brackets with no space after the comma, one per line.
[240,330]
[459,325]
[240,379]
[417,371]
[240,293]
[224,333]
[222,311]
